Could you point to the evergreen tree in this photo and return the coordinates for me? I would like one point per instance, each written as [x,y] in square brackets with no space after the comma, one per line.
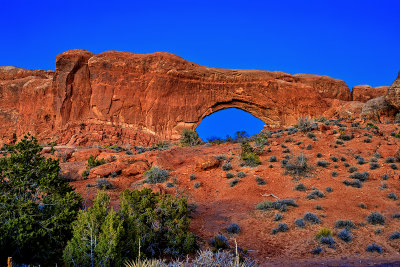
[96,237]
[37,206]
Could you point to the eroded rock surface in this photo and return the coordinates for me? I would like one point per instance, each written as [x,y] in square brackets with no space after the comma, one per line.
[119,97]
[363,93]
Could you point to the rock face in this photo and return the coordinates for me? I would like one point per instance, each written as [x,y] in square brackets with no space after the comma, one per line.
[393,94]
[363,93]
[119,97]
[26,99]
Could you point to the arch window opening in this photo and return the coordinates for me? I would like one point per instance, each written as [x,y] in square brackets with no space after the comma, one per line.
[229,123]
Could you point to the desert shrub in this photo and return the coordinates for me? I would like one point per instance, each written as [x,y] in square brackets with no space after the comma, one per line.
[319,155]
[323,232]
[354,183]
[300,223]
[329,189]
[390,160]
[300,187]
[394,236]
[371,125]
[311,218]
[374,166]
[278,217]
[374,248]
[192,177]
[260,181]
[383,186]
[219,242]
[343,159]
[316,250]
[385,176]
[189,138]
[197,185]
[208,258]
[318,207]
[283,163]
[227,166]
[233,228]
[234,182]
[282,227]
[248,155]
[305,124]
[309,147]
[394,166]
[373,160]
[393,196]
[334,174]
[362,176]
[315,194]
[322,163]
[156,175]
[344,137]
[346,164]
[334,159]
[327,240]
[37,206]
[396,216]
[363,206]
[281,205]
[241,174]
[94,162]
[113,174]
[169,185]
[259,143]
[272,159]
[229,175]
[339,142]
[361,160]
[310,135]
[85,174]
[251,159]
[345,224]
[103,184]
[367,140]
[220,157]
[298,166]
[376,218]
[345,235]
[352,169]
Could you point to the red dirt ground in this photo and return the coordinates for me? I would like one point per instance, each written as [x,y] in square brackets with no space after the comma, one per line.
[218,204]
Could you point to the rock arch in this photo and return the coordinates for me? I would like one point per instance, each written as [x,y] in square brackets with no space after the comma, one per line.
[121,97]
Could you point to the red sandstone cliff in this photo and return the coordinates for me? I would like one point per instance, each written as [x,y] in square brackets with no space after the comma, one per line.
[121,97]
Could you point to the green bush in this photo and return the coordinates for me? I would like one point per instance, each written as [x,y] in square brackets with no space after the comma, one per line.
[190,138]
[37,206]
[160,222]
[94,162]
[249,156]
[156,175]
[97,237]
[148,224]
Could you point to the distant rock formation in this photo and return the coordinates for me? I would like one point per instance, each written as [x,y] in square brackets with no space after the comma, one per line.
[119,97]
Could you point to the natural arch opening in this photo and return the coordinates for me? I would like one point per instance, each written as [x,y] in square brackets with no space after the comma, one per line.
[227,122]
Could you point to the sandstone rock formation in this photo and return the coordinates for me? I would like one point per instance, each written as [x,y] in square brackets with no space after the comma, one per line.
[119,97]
[363,93]
[393,94]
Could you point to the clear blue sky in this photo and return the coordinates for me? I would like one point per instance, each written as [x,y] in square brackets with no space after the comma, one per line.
[356,41]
